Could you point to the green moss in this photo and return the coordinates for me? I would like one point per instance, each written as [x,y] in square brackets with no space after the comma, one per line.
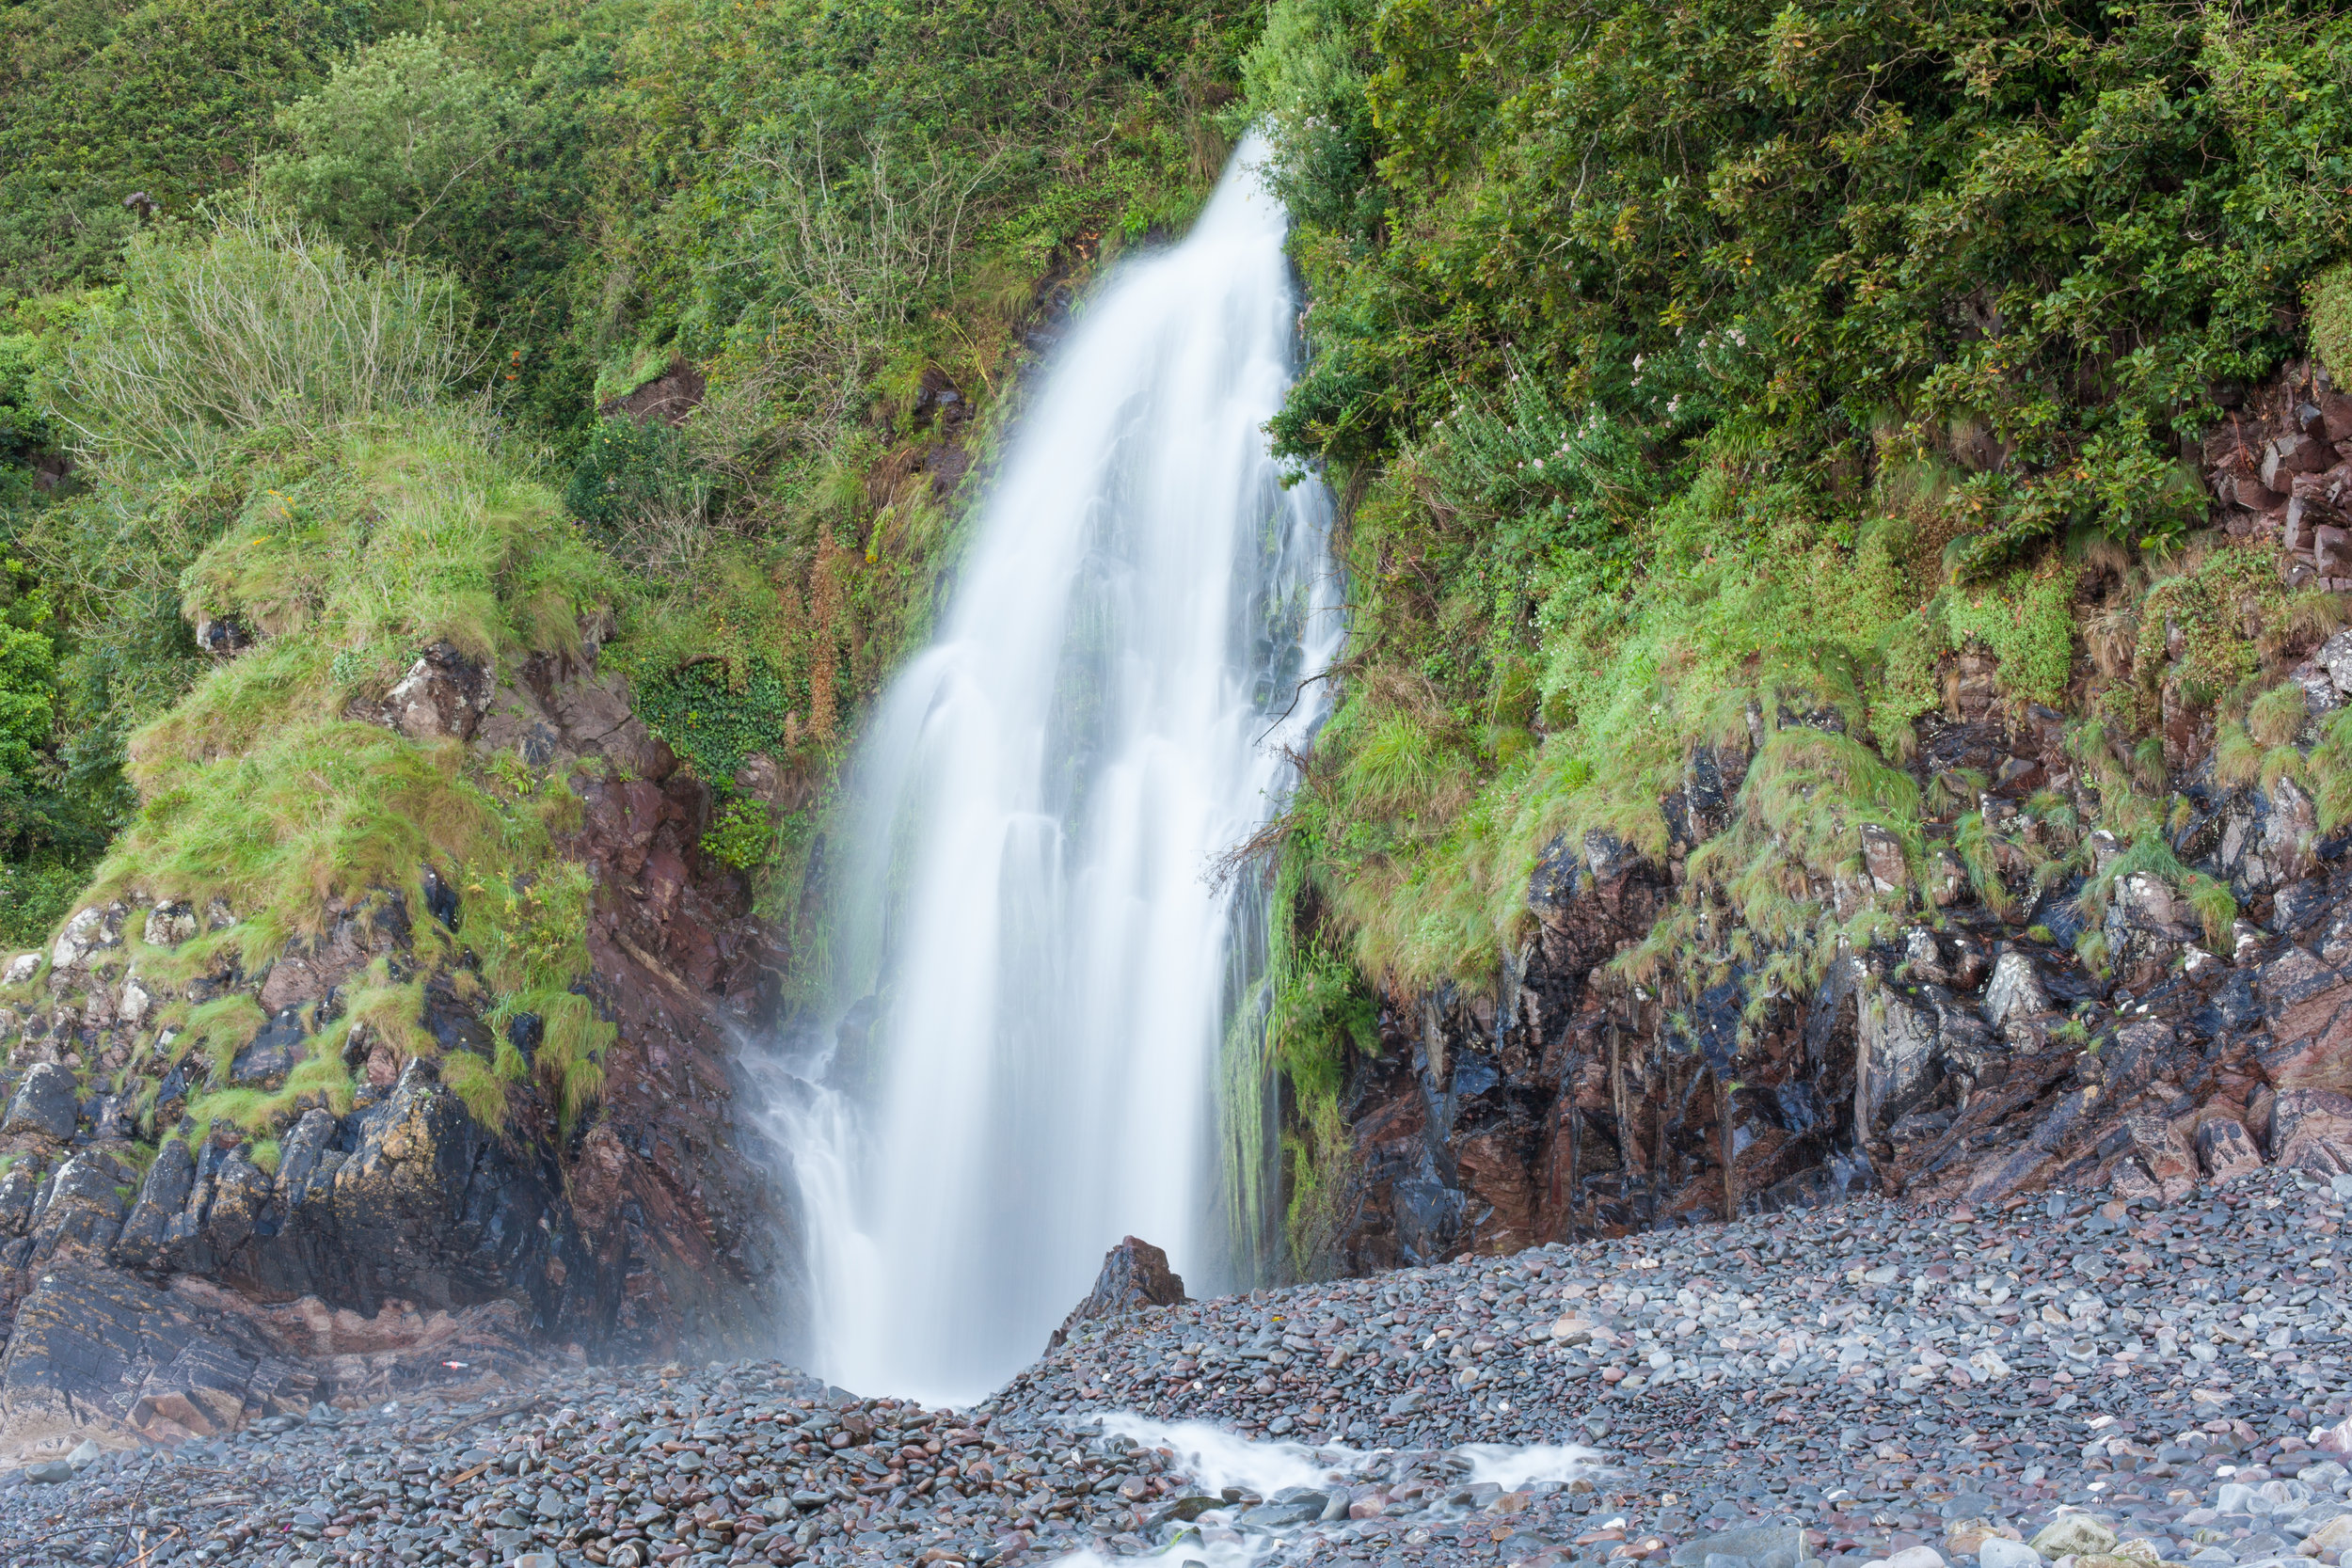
[2026,618]
[2327,300]
[484,1090]
[352,555]
[2278,716]
[216,1031]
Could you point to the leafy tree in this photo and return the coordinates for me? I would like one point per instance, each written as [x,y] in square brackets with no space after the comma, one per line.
[400,146]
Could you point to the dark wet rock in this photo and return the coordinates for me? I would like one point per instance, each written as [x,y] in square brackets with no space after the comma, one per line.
[273,1053]
[638,1224]
[45,1104]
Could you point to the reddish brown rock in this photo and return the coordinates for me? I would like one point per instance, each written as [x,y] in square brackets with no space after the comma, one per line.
[2225,1149]
[2171,1166]
[2311,1130]
[1135,1275]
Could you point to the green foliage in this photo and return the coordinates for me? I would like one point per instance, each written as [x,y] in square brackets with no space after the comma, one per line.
[627,471]
[1709,374]
[1305,80]
[2026,617]
[741,835]
[103,99]
[715,724]
[25,428]
[402,137]
[29,676]
[2055,231]
[2328,302]
[34,899]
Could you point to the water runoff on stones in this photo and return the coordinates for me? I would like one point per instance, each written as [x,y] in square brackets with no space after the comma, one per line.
[1045,1008]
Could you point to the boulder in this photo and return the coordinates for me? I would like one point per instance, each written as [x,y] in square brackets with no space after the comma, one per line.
[2334,656]
[2331,551]
[442,697]
[1898,1066]
[169,924]
[19,1186]
[2290,455]
[45,1102]
[84,1209]
[272,1053]
[163,1194]
[2170,1165]
[1883,858]
[2146,929]
[1135,1275]
[83,934]
[2311,1130]
[2225,1149]
[2073,1535]
[2014,992]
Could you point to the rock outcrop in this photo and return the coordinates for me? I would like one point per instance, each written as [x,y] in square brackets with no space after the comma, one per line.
[166,1278]
[2034,1001]
[1135,1275]
[1969,1063]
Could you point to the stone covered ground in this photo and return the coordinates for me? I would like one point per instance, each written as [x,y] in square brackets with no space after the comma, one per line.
[1860,1382]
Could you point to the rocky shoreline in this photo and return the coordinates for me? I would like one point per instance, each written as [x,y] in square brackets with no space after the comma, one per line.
[1864,1383]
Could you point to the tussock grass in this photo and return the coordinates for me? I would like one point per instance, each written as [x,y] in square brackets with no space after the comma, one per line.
[258,324]
[257,791]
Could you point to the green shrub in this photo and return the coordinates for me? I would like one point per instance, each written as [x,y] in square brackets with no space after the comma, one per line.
[254,325]
[397,144]
[715,723]
[100,99]
[741,835]
[636,486]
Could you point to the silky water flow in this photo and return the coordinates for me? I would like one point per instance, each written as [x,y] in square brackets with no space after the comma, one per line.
[1038,984]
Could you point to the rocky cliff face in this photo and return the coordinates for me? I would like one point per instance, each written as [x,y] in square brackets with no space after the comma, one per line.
[1972,1063]
[2065,1016]
[164,1278]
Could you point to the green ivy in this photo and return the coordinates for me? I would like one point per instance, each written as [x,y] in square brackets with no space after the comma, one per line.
[715,724]
[741,835]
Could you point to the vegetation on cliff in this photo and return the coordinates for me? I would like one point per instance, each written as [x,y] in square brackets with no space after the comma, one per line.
[653,334]
[1728,376]
[1720,378]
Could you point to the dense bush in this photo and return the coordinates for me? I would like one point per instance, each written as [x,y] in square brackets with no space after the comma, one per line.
[1719,356]
[103,100]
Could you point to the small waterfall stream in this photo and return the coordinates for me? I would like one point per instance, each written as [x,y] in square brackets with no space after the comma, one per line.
[1035,978]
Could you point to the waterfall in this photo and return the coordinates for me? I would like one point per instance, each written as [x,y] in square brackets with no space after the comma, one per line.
[1035,974]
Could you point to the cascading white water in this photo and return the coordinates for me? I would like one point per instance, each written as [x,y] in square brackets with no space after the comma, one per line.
[1035,973]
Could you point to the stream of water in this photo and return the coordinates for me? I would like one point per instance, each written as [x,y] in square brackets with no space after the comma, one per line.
[1038,984]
